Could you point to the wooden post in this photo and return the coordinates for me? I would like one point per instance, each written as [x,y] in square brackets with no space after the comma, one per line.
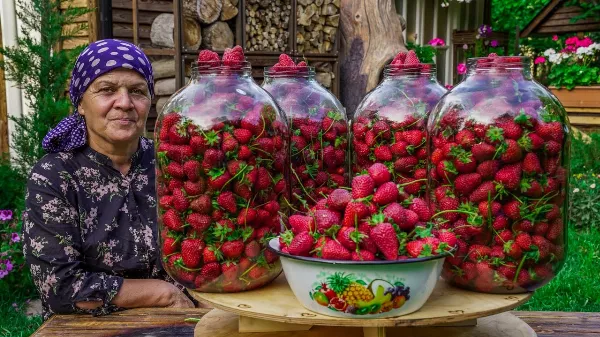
[178,33]
[371,36]
[4,146]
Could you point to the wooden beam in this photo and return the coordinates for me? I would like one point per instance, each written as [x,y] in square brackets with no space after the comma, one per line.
[178,39]
[93,21]
[126,16]
[134,12]
[540,17]
[572,28]
[145,5]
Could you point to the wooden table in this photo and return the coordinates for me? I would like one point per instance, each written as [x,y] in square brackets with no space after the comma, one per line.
[170,323]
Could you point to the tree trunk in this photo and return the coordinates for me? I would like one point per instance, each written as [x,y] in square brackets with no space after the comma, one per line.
[367,45]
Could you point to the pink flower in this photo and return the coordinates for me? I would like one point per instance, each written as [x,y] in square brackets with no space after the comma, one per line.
[494,43]
[437,42]
[555,38]
[539,59]
[449,86]
[5,214]
[572,41]
[585,42]
[15,237]
[461,68]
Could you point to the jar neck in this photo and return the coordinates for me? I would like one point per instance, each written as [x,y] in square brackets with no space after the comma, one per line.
[424,70]
[243,69]
[274,73]
[500,65]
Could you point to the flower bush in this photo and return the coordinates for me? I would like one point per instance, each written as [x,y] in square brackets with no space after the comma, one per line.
[12,262]
[572,63]
[584,200]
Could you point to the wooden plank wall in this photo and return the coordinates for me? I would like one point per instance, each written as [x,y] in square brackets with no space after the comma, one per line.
[3,110]
[85,36]
[560,22]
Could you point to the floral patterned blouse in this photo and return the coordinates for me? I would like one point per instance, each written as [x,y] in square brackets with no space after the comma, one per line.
[87,227]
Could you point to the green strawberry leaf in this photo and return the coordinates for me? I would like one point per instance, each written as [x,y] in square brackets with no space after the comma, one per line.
[495,134]
[216,172]
[523,118]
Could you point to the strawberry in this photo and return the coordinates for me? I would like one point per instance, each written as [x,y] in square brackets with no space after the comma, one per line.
[349,237]
[333,250]
[191,168]
[421,208]
[509,176]
[246,217]
[232,249]
[379,173]
[166,201]
[210,271]
[383,153]
[230,270]
[363,255]
[301,244]
[448,237]
[386,193]
[550,131]
[211,254]
[301,223]
[483,151]
[415,248]
[170,246]
[354,212]
[485,209]
[512,152]
[180,201]
[464,184]
[339,198]
[544,246]
[524,278]
[191,252]
[199,222]
[512,209]
[511,129]
[449,204]
[257,272]
[226,201]
[478,252]
[555,230]
[325,219]
[242,135]
[414,137]
[488,169]
[531,164]
[552,147]
[523,240]
[385,239]
[362,186]
[202,204]
[406,164]
[465,138]
[399,58]
[503,237]
[411,58]
[175,170]
[172,220]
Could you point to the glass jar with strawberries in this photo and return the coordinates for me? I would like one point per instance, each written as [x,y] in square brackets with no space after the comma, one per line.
[499,155]
[222,162]
[389,125]
[318,128]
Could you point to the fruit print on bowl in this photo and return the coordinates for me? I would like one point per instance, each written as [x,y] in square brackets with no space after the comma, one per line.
[360,289]
[350,294]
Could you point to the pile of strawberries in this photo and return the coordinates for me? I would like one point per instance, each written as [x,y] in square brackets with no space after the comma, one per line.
[499,185]
[390,124]
[220,184]
[374,220]
[319,132]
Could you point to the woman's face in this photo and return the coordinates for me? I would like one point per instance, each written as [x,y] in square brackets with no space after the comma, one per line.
[115,107]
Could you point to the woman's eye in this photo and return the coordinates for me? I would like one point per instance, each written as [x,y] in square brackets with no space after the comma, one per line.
[106,89]
[138,91]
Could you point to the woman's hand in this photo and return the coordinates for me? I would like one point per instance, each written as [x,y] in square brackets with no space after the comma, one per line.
[149,293]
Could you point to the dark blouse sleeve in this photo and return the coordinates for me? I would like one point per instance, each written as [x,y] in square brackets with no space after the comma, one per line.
[52,245]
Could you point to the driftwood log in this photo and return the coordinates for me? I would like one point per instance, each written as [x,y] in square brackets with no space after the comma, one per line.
[217,36]
[161,33]
[366,46]
[163,68]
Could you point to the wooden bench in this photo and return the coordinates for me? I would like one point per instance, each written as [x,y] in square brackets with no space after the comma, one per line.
[172,323]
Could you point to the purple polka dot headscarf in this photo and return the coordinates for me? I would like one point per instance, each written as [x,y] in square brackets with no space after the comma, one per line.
[97,59]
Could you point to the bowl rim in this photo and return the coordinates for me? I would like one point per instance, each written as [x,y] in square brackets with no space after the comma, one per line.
[275,241]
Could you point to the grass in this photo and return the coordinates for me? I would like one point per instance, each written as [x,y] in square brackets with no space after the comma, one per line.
[575,288]
[13,321]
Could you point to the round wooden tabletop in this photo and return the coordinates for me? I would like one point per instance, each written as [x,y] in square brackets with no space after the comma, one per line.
[447,304]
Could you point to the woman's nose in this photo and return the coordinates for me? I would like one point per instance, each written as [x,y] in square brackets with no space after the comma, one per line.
[123,99]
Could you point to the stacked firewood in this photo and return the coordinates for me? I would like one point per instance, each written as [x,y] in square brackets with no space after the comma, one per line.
[206,24]
[318,22]
[267,25]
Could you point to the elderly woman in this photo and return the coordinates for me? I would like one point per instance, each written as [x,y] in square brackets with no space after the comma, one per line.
[90,220]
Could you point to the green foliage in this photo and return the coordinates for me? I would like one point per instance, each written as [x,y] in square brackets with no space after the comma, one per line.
[13,321]
[569,75]
[426,53]
[42,71]
[507,15]
[11,251]
[584,201]
[12,193]
[585,154]
[590,9]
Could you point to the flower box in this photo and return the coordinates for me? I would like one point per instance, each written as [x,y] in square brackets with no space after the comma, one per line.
[582,105]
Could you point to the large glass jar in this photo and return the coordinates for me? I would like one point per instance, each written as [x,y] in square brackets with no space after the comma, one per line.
[389,125]
[222,161]
[499,149]
[319,133]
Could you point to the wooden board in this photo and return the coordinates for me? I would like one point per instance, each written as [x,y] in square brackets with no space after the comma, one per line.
[276,302]
[145,5]
[218,323]
[170,323]
[3,109]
